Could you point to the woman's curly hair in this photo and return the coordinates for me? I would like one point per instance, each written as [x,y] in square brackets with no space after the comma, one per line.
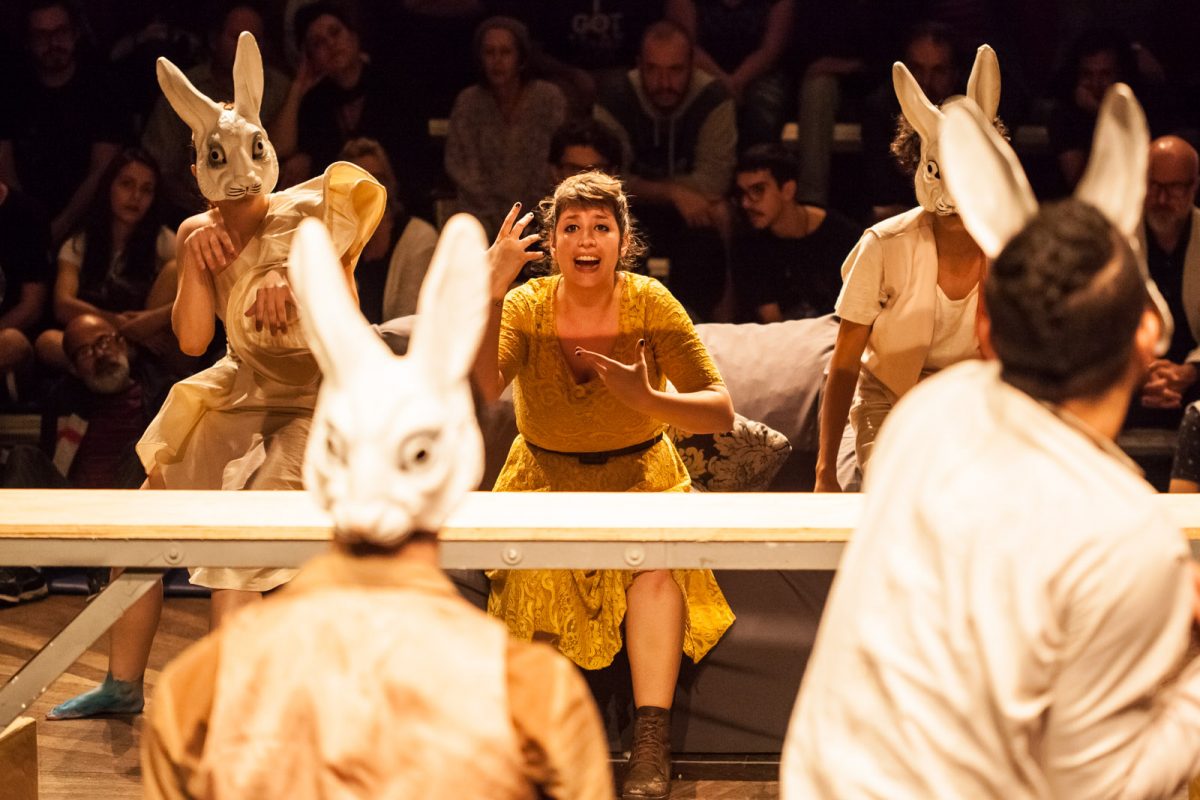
[592,190]
[906,144]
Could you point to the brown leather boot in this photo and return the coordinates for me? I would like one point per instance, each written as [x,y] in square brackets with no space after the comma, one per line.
[649,775]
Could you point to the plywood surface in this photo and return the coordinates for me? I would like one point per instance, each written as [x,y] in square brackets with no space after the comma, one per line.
[484,516]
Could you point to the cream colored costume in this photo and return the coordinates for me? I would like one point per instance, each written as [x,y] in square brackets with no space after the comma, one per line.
[976,649]
[243,423]
[890,282]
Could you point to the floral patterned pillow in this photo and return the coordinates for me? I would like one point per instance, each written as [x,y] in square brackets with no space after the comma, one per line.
[744,459]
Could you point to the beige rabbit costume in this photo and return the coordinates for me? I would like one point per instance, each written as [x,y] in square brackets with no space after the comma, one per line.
[242,423]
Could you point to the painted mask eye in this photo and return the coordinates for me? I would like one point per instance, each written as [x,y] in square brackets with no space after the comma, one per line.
[931,170]
[216,155]
[260,147]
[416,452]
[335,446]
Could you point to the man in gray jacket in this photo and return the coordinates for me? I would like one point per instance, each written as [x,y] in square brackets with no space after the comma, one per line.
[677,127]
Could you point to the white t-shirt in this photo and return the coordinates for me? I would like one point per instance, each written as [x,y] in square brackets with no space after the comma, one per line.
[954,337]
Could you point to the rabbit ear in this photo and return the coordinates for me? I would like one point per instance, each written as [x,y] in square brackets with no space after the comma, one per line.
[334,328]
[923,115]
[452,310]
[989,186]
[193,107]
[984,84]
[248,78]
[1115,179]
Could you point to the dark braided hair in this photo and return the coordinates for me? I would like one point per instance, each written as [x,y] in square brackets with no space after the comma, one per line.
[1065,298]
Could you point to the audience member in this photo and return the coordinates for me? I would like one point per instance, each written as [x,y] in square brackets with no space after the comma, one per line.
[24,283]
[741,43]
[836,50]
[583,145]
[500,128]
[62,125]
[1098,59]
[119,264]
[392,266]
[787,264]
[1171,232]
[168,139]
[678,134]
[113,399]
[614,338]
[910,298]
[340,94]
[102,412]
[931,55]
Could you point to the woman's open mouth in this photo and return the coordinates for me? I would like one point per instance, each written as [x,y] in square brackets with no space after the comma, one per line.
[587,263]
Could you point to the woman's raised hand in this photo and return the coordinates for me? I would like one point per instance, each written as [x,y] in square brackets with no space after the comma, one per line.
[629,383]
[211,246]
[510,252]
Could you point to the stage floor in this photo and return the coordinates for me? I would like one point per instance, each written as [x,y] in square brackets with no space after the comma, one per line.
[98,759]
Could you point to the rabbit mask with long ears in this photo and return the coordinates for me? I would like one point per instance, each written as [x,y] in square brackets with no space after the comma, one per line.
[234,157]
[995,198]
[394,443]
[983,87]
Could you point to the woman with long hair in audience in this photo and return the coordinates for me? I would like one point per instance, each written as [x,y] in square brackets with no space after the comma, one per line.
[119,264]
[588,350]
[498,143]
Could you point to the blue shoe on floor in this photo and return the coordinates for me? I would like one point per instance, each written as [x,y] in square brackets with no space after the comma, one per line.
[111,697]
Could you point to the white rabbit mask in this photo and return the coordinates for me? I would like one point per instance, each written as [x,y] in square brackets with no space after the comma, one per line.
[394,442]
[234,157]
[996,200]
[983,87]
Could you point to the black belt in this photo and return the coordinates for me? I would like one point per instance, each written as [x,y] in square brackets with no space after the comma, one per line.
[599,457]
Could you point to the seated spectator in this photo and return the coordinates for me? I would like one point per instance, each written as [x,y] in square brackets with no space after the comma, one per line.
[1171,231]
[61,125]
[392,266]
[740,43]
[1098,59]
[788,264]
[932,55]
[339,94]
[119,265]
[168,139]
[678,135]
[107,405]
[24,282]
[835,53]
[582,146]
[500,128]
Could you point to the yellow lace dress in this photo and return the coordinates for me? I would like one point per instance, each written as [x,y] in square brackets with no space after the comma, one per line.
[583,609]
[243,422]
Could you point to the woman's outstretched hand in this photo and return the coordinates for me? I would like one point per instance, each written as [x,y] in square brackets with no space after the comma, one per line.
[510,252]
[629,383]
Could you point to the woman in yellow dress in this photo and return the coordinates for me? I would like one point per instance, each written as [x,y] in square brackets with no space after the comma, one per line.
[589,350]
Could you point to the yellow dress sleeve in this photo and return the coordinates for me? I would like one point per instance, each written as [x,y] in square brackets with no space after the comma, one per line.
[516,328]
[674,344]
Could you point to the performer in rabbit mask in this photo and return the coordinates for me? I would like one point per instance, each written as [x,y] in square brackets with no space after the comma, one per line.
[242,423]
[406,690]
[910,291]
[1011,615]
